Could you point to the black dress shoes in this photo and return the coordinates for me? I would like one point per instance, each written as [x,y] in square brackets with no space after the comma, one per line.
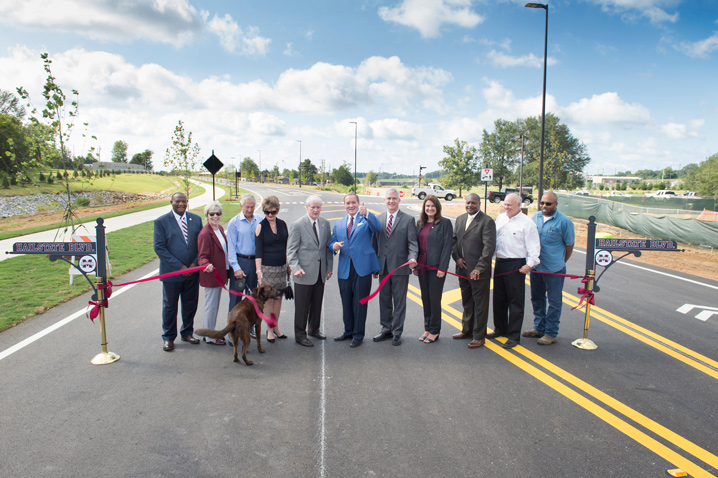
[355,343]
[493,335]
[305,342]
[396,340]
[509,344]
[341,337]
[318,335]
[168,346]
[190,339]
[382,336]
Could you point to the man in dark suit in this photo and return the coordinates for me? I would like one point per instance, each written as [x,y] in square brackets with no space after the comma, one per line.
[311,261]
[473,246]
[395,244]
[175,240]
[357,262]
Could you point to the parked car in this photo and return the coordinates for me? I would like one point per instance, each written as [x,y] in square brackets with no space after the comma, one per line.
[583,192]
[618,194]
[661,193]
[689,194]
[435,189]
[498,196]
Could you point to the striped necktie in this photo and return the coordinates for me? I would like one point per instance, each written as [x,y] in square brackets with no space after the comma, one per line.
[388,225]
[351,226]
[184,228]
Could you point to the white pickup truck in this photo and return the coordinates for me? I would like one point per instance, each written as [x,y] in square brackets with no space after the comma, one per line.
[661,193]
[435,189]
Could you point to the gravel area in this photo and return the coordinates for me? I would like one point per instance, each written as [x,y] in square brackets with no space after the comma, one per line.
[15,205]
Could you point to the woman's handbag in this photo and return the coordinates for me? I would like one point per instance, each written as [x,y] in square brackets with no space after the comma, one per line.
[288,292]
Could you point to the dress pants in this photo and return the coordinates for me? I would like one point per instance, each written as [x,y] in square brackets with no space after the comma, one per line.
[212,295]
[250,271]
[475,301]
[392,304]
[509,298]
[432,288]
[307,308]
[352,290]
[186,293]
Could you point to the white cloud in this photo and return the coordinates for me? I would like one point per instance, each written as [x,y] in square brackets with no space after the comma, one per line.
[233,39]
[606,108]
[175,22]
[392,128]
[506,61]
[682,131]
[699,49]
[428,16]
[654,10]
[289,51]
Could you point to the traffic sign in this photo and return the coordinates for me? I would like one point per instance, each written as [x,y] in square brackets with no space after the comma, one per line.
[401,194]
[213,164]
[487,174]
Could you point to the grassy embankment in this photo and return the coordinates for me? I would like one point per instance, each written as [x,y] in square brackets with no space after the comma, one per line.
[32,285]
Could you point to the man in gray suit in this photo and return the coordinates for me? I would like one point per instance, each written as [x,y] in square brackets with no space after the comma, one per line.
[474,244]
[395,244]
[311,261]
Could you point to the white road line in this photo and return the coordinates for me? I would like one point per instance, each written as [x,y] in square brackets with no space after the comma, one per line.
[323,409]
[661,273]
[80,313]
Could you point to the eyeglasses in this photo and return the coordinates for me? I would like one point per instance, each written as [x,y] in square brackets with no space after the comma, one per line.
[273,213]
[212,214]
[544,203]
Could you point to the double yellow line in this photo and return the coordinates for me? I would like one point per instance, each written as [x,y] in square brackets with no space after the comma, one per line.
[594,401]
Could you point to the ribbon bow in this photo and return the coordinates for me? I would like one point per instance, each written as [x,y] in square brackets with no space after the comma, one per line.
[586,295]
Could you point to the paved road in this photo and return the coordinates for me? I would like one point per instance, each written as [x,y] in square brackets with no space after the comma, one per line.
[640,404]
[111,224]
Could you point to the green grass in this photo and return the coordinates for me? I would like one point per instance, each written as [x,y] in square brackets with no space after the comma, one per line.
[89,216]
[32,284]
[129,183]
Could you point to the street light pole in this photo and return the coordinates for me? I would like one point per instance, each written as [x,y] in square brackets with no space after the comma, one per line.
[521,168]
[543,102]
[355,155]
[260,165]
[299,170]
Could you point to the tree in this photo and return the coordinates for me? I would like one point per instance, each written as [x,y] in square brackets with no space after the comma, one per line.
[119,152]
[704,178]
[143,159]
[499,150]
[308,171]
[342,175]
[249,168]
[181,157]
[10,106]
[460,164]
[370,178]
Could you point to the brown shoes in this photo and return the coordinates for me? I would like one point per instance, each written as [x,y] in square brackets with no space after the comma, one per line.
[475,344]
[190,339]
[546,340]
[168,346]
[532,334]
[461,335]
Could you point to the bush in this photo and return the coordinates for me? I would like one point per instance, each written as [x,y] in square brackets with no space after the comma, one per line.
[58,175]
[41,177]
[49,179]
[13,180]
[5,182]
[82,201]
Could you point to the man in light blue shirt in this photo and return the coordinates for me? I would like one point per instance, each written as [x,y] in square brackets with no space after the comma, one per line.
[240,249]
[557,237]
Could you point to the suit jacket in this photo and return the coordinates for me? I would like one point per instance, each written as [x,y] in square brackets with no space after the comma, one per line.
[304,252]
[170,246]
[476,245]
[211,252]
[357,249]
[438,249]
[399,247]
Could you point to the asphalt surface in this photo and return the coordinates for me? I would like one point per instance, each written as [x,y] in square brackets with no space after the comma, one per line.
[642,403]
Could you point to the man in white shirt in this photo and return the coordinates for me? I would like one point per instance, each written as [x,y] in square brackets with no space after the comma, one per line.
[517,251]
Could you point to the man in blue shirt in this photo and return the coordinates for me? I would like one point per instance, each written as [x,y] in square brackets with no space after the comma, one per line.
[557,238]
[240,249]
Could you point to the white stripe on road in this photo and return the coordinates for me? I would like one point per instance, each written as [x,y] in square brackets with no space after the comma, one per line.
[323,409]
[66,320]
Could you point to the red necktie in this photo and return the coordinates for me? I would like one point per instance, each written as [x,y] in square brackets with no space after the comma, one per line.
[351,225]
[388,226]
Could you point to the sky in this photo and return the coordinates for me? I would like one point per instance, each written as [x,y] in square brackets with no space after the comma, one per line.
[634,80]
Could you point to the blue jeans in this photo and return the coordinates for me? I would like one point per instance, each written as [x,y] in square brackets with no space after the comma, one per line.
[546,319]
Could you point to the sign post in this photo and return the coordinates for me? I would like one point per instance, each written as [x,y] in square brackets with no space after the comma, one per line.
[487,175]
[213,164]
[105,357]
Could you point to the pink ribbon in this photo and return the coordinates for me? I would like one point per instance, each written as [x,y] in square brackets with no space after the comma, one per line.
[586,295]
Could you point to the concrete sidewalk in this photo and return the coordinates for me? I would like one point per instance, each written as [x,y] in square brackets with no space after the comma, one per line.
[111,224]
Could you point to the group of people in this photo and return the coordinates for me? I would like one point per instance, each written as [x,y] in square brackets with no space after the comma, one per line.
[389,247]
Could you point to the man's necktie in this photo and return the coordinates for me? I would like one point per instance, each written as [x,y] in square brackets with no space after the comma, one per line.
[184,228]
[388,225]
[468,221]
[314,225]
[351,225]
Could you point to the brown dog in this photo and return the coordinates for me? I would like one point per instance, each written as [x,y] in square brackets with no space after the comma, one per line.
[241,318]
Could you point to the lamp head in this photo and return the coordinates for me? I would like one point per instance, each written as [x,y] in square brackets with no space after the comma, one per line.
[537,5]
